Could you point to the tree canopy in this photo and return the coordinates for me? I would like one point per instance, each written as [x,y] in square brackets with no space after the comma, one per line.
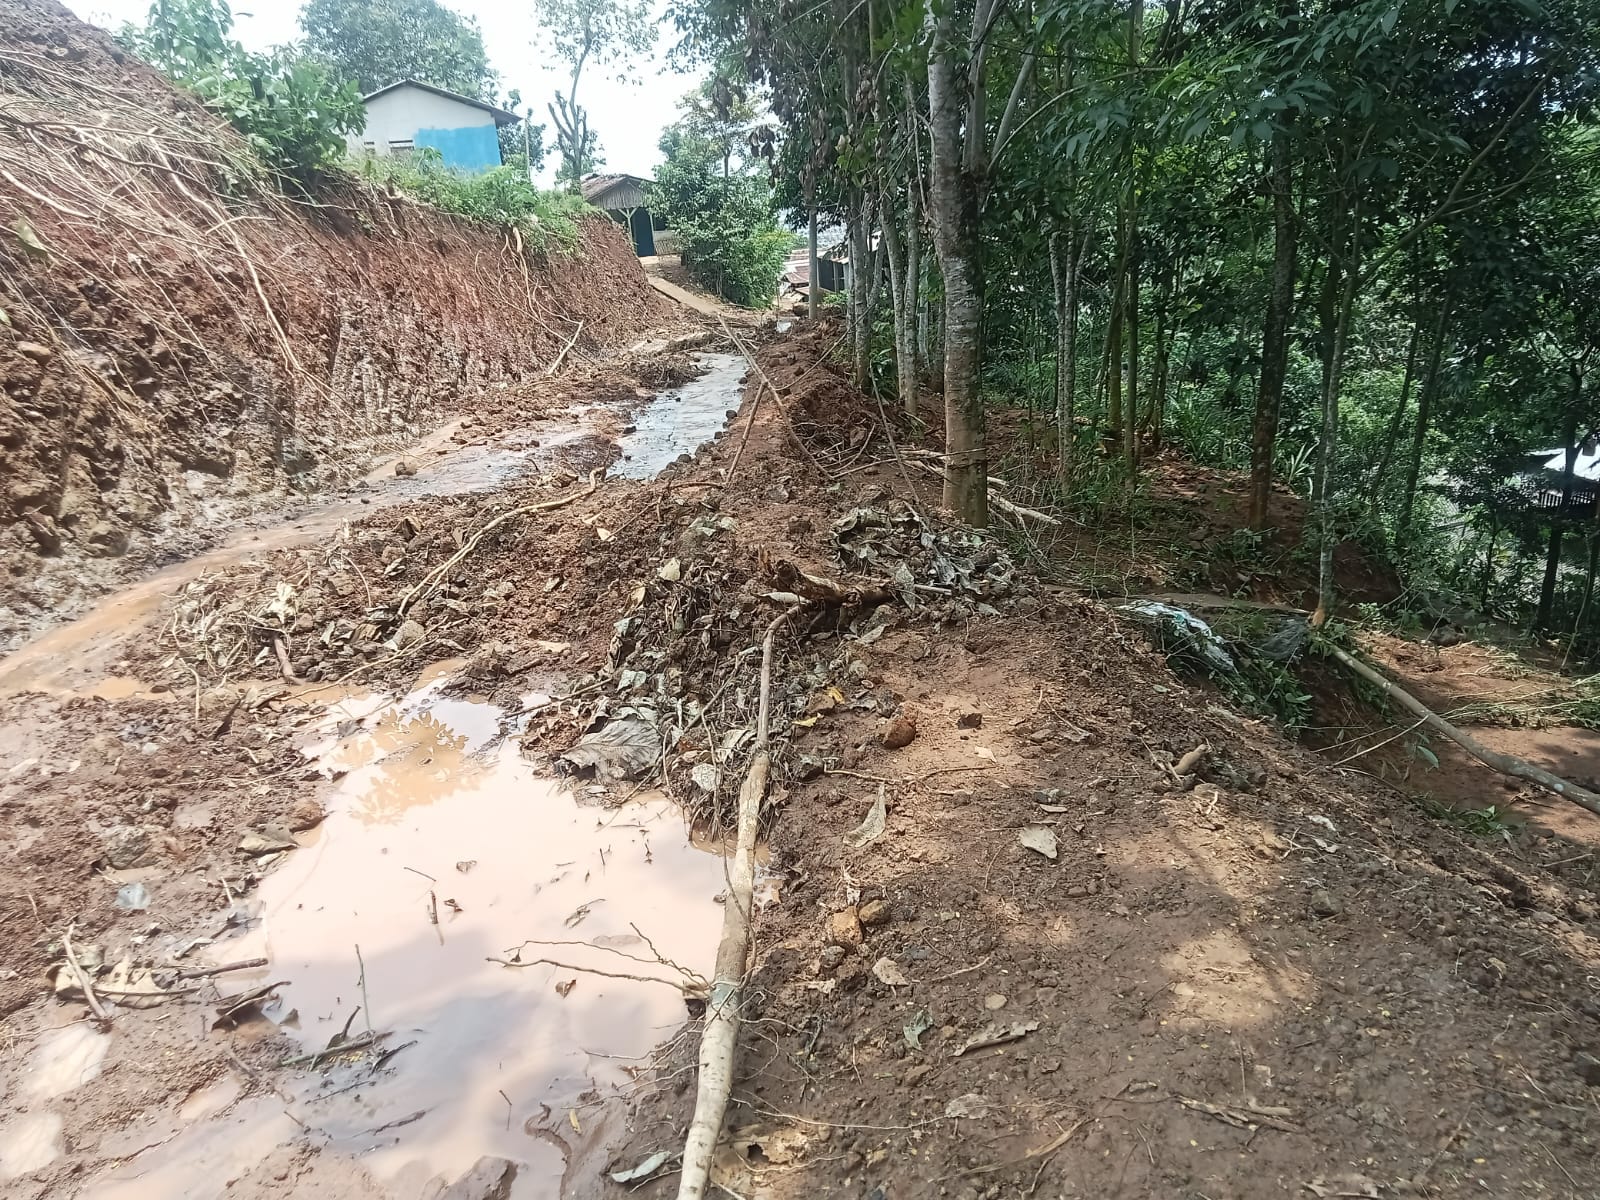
[1345,245]
[376,42]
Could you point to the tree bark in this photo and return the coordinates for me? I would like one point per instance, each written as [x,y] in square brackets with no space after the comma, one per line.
[1339,295]
[1391,437]
[899,298]
[1064,273]
[1275,330]
[1543,620]
[953,202]
[1425,399]
[815,277]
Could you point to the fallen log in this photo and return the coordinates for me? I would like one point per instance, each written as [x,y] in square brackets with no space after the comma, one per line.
[1000,502]
[720,1032]
[1504,763]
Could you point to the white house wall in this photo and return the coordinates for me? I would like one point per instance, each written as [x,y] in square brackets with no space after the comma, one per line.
[410,118]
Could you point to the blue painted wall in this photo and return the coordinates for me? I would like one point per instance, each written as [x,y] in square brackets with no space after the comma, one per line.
[476,148]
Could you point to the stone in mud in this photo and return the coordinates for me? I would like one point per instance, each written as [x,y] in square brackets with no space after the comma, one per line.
[489,1179]
[844,929]
[900,732]
[403,469]
[106,540]
[1324,903]
[128,846]
[875,912]
[306,814]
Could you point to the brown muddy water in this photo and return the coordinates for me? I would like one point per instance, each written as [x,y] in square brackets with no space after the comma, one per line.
[444,850]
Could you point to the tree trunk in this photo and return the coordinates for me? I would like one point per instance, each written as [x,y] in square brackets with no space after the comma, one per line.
[1275,330]
[908,392]
[1339,296]
[861,318]
[1130,408]
[815,276]
[1114,364]
[1425,399]
[899,297]
[1558,520]
[954,215]
[1391,437]
[1064,273]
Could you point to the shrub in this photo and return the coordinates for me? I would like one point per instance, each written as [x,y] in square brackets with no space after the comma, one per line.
[548,221]
[293,113]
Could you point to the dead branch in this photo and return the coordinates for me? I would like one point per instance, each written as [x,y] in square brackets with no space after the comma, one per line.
[777,399]
[721,1029]
[680,984]
[1000,502]
[206,972]
[81,976]
[436,575]
[787,577]
[554,366]
[1506,764]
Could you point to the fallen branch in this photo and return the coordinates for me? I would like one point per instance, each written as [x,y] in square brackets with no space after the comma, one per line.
[680,984]
[244,964]
[750,358]
[81,976]
[1247,1116]
[551,369]
[436,575]
[1504,763]
[285,668]
[1000,502]
[721,1029]
[360,1042]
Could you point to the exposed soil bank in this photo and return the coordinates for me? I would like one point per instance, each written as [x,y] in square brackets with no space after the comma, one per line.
[187,342]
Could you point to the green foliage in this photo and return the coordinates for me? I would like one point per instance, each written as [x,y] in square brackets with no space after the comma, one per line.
[1491,821]
[293,112]
[378,42]
[729,240]
[548,221]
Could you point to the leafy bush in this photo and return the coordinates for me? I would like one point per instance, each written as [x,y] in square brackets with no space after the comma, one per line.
[726,233]
[293,112]
[548,221]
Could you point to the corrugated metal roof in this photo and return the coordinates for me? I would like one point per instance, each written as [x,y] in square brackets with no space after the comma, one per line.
[614,191]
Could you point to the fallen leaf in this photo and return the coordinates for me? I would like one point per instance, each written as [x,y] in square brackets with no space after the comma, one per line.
[1041,839]
[645,1169]
[1054,808]
[996,1035]
[916,1027]
[872,826]
[572,1115]
[671,571]
[970,1105]
[887,970]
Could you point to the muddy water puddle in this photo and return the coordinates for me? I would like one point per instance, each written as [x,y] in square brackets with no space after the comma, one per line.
[681,421]
[444,849]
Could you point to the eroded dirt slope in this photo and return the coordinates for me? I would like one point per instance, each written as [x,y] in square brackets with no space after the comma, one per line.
[180,339]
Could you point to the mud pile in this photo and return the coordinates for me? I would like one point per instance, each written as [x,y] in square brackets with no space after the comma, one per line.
[178,335]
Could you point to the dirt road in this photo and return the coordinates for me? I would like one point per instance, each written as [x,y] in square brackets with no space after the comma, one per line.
[1049,963]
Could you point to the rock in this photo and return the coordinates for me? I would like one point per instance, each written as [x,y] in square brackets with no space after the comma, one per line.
[969,718]
[306,814]
[900,732]
[409,634]
[35,351]
[1588,1068]
[844,929]
[994,1001]
[1324,903]
[489,1179]
[106,540]
[403,469]
[875,912]
[832,956]
[128,846]
[916,1075]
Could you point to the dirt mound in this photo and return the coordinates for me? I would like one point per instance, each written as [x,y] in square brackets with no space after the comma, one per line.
[178,335]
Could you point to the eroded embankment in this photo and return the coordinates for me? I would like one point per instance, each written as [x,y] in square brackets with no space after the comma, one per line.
[179,338]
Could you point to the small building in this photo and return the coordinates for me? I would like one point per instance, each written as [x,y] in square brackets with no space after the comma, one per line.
[1543,478]
[624,201]
[408,115]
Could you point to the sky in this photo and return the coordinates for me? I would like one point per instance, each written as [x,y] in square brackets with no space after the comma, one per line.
[627,116]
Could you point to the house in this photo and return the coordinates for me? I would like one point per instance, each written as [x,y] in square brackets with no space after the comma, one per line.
[409,115]
[624,200]
[1542,477]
